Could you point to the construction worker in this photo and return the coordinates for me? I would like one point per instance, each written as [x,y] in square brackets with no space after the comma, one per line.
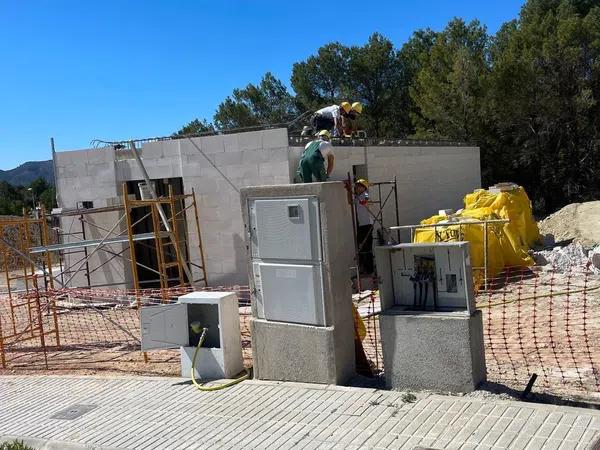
[349,125]
[312,161]
[364,230]
[330,118]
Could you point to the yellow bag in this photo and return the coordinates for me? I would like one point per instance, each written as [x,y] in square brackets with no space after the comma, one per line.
[507,244]
[359,324]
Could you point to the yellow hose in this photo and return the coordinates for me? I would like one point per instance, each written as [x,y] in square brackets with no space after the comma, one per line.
[217,387]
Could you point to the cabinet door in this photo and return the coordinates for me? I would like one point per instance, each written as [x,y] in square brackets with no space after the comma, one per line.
[164,326]
[285,229]
[293,293]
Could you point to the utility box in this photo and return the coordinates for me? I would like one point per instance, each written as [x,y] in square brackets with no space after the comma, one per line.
[426,277]
[431,332]
[300,246]
[169,326]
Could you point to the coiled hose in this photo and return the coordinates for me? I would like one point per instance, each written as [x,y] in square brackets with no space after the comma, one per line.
[217,387]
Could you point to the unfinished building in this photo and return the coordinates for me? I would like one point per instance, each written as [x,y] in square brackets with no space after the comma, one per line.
[429,175]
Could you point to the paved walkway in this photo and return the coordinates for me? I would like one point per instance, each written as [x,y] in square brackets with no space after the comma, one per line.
[166,413]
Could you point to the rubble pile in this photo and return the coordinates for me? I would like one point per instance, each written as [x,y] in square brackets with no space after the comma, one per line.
[572,257]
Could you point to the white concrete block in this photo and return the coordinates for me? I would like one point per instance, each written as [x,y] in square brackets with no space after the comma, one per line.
[273,169]
[279,154]
[231,142]
[250,141]
[189,146]
[212,144]
[276,138]
[229,158]
[255,156]
[244,171]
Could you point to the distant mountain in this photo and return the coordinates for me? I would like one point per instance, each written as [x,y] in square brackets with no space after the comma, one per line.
[27,172]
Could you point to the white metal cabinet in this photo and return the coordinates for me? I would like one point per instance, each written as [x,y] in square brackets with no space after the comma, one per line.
[285,239]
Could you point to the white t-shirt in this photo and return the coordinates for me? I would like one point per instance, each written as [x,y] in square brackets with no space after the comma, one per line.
[332,112]
[363,215]
[325,148]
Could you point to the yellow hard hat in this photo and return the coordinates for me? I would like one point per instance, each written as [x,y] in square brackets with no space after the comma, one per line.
[324,133]
[357,107]
[346,107]
[362,181]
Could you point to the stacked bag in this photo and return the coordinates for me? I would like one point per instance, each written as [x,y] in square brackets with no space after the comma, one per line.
[508,243]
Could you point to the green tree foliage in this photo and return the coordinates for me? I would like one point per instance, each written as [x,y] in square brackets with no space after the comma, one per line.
[14,199]
[376,78]
[544,101]
[269,102]
[196,126]
[321,79]
[373,74]
[529,95]
[450,87]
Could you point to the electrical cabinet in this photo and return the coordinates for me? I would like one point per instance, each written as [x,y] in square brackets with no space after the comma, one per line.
[426,277]
[286,252]
[170,326]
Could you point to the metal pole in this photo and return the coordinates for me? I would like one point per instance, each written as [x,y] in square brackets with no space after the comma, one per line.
[485,256]
[134,272]
[85,252]
[161,212]
[56,184]
[100,244]
[396,200]
[199,231]
[40,319]
[380,207]
[354,232]
[178,251]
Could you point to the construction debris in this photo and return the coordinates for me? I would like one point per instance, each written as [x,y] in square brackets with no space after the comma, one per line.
[572,257]
[577,222]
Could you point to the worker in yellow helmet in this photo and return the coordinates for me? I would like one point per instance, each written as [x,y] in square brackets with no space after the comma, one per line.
[364,229]
[330,118]
[312,161]
[349,121]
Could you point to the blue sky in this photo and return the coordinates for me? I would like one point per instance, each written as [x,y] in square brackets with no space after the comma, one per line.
[79,70]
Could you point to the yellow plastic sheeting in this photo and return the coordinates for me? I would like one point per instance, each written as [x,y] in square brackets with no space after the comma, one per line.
[507,243]
[513,205]
[359,324]
[465,231]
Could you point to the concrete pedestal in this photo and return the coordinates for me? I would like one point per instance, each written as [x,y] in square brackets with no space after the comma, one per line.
[302,326]
[442,352]
[303,353]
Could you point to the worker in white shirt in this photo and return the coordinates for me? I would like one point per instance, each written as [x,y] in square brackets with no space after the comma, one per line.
[312,161]
[364,230]
[330,118]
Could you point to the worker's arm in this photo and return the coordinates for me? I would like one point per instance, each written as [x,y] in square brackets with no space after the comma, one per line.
[338,126]
[330,159]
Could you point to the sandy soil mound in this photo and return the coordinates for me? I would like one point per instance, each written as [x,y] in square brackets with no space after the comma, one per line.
[578,221]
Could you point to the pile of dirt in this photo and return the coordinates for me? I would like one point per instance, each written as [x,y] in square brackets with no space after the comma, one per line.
[577,221]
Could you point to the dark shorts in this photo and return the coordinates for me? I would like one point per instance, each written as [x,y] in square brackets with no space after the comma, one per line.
[319,123]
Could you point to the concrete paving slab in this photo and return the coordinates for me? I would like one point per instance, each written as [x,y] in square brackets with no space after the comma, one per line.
[163,413]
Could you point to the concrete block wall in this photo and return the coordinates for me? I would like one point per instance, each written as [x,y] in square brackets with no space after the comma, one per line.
[216,167]
[90,175]
[429,178]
